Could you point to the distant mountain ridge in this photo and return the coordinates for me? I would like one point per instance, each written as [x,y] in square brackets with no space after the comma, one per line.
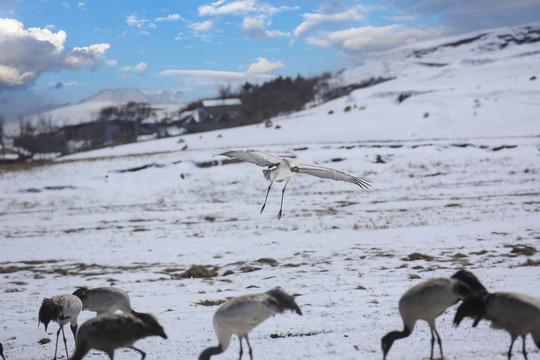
[123,95]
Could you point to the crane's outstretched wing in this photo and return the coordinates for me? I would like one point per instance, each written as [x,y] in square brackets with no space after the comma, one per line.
[328,173]
[253,156]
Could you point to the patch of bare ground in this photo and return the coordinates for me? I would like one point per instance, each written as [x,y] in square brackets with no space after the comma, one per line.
[210,302]
[299,334]
[269,261]
[481,252]
[521,249]
[198,272]
[417,256]
[44,341]
[530,262]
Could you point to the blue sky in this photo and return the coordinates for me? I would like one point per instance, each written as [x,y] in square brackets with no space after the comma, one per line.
[56,52]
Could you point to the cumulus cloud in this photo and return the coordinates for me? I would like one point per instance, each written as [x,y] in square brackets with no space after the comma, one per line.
[203,26]
[371,38]
[26,53]
[263,66]
[171,17]
[240,7]
[221,8]
[315,20]
[132,20]
[254,28]
[133,70]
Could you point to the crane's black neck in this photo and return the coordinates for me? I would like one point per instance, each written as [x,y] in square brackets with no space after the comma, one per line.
[388,339]
[206,354]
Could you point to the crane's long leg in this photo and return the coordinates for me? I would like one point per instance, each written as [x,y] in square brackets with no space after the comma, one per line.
[250,351]
[432,343]
[139,350]
[524,350]
[65,342]
[241,350]
[266,197]
[439,342]
[56,346]
[281,207]
[510,349]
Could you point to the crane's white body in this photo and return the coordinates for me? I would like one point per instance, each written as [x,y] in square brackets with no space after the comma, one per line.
[112,331]
[282,169]
[429,299]
[241,314]
[518,314]
[62,309]
[105,300]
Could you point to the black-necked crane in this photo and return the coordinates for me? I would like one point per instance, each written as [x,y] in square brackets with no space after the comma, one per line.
[2,351]
[112,331]
[104,300]
[429,299]
[62,309]
[518,314]
[241,314]
[282,169]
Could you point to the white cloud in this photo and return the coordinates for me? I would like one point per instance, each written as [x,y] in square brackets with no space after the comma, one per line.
[133,70]
[233,7]
[171,17]
[314,20]
[257,72]
[81,57]
[111,62]
[371,38]
[72,83]
[133,21]
[254,28]
[263,66]
[240,7]
[203,26]
[26,53]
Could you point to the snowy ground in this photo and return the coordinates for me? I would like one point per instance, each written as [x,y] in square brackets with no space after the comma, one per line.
[445,197]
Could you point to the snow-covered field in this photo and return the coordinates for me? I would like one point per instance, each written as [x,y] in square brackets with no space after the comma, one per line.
[458,188]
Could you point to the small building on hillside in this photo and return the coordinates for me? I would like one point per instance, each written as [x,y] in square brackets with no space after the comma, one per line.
[214,114]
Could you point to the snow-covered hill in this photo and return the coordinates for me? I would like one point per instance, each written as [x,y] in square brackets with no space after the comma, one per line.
[457,188]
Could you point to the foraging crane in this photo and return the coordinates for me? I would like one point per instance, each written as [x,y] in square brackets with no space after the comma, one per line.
[104,300]
[282,169]
[518,314]
[241,314]
[429,299]
[62,309]
[112,331]
[2,351]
